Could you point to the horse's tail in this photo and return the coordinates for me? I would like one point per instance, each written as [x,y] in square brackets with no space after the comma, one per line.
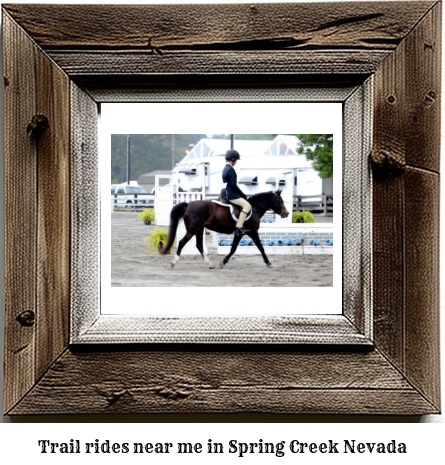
[176,214]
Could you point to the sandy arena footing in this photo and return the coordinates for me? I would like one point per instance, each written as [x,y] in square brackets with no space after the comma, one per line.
[131,268]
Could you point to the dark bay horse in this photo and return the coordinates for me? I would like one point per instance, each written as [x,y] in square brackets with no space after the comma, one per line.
[202,214]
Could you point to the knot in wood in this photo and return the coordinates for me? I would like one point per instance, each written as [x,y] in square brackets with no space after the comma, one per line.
[113,394]
[173,393]
[114,397]
[26,318]
[387,162]
[430,97]
[37,126]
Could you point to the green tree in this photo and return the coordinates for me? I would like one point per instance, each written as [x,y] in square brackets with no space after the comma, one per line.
[318,148]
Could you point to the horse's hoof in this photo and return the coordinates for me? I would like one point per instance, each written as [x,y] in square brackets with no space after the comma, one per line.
[221,265]
[268,265]
[172,264]
[211,267]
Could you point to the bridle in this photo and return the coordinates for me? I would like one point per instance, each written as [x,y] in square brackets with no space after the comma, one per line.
[281,212]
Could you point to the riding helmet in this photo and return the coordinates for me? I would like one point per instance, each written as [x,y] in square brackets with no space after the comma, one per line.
[232,154]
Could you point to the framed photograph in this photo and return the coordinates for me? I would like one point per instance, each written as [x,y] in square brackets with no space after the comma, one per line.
[301,254]
[84,337]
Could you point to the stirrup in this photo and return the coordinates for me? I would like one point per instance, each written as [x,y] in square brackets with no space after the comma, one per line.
[241,231]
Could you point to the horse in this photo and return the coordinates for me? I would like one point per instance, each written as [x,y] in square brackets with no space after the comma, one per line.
[202,214]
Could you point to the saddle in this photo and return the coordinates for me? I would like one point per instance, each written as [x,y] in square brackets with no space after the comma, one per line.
[235,210]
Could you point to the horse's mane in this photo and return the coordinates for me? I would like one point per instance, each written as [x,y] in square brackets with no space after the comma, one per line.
[260,198]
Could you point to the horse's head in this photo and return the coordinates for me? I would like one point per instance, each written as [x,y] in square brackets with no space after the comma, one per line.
[278,205]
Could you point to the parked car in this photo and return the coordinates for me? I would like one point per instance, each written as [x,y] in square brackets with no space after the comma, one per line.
[115,186]
[126,189]
[132,195]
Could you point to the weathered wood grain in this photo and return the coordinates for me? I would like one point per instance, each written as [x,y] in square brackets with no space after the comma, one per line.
[20,213]
[422,324]
[406,133]
[228,39]
[85,212]
[274,25]
[356,216]
[388,191]
[407,114]
[53,227]
[389,158]
[108,329]
[128,63]
[388,268]
[37,216]
[218,88]
[423,92]
[220,382]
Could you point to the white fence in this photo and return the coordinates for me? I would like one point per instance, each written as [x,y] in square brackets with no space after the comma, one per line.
[131,201]
[321,205]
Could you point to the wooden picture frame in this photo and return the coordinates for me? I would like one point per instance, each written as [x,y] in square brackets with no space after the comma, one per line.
[93,323]
[75,57]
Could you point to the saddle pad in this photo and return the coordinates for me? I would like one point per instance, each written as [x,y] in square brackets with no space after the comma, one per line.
[234,210]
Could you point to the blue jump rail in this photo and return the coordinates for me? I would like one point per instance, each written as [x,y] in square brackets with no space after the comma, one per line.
[224,242]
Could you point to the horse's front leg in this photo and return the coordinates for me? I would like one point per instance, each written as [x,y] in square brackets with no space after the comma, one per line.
[199,246]
[256,239]
[236,241]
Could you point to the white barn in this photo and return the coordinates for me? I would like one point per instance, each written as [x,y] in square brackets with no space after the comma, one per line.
[263,164]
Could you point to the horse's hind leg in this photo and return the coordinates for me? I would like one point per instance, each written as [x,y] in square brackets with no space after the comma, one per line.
[181,245]
[199,246]
[236,241]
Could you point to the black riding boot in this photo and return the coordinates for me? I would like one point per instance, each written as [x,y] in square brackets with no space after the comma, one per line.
[241,231]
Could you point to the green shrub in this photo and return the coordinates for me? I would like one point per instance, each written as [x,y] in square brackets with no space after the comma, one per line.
[155,239]
[147,214]
[302,217]
[115,181]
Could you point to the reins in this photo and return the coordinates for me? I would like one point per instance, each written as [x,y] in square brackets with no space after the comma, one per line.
[281,212]
[262,203]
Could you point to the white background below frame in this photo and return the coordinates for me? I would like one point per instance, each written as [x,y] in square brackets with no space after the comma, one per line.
[212,118]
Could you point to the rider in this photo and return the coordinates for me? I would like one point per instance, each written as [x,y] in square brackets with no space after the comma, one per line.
[233,193]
